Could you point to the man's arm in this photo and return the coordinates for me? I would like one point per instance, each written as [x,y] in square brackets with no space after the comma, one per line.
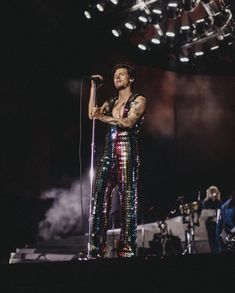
[92,107]
[136,110]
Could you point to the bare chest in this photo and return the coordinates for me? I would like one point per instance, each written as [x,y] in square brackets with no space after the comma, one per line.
[118,109]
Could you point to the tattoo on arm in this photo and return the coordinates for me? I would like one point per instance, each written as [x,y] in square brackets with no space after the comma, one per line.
[136,110]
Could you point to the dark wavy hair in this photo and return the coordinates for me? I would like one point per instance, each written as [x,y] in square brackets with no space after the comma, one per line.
[130,69]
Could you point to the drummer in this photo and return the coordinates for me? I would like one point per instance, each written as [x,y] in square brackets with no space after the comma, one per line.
[212,201]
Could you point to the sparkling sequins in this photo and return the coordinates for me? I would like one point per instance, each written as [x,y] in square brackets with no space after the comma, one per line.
[119,165]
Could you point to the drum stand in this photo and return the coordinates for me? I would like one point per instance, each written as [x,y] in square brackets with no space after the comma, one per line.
[190,237]
[188,212]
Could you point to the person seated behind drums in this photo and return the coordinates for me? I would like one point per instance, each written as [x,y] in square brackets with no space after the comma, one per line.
[225,228]
[212,201]
[213,198]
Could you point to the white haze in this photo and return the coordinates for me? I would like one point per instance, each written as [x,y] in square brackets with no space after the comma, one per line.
[68,214]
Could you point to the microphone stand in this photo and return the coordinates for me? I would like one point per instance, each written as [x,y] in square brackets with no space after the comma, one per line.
[91,177]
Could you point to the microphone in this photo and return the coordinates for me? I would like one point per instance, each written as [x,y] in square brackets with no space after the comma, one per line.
[97,79]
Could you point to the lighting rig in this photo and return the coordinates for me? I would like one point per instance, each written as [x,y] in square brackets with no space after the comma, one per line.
[189,29]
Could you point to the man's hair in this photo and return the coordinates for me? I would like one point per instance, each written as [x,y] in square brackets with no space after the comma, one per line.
[130,69]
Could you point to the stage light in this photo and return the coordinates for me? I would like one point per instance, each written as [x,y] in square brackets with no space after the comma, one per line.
[170,34]
[200,26]
[157,10]
[143,46]
[183,59]
[173,9]
[186,33]
[215,47]
[87,14]
[116,32]
[156,40]
[180,23]
[198,53]
[114,2]
[204,26]
[144,17]
[136,20]
[130,25]
[157,7]
[184,56]
[101,6]
[170,39]
[157,16]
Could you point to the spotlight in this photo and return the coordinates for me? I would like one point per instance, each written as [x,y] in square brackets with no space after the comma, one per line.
[170,34]
[183,59]
[157,8]
[136,20]
[116,32]
[186,33]
[143,46]
[204,26]
[183,55]
[173,9]
[215,47]
[101,6]
[144,17]
[198,52]
[114,2]
[156,15]
[87,14]
[156,40]
[170,39]
[200,26]
[130,25]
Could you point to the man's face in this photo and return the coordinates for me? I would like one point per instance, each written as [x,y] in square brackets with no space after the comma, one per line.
[121,79]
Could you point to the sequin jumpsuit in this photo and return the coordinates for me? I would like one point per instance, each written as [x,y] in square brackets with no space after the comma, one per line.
[119,165]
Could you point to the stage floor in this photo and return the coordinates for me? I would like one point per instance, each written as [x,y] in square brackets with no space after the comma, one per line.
[181,273]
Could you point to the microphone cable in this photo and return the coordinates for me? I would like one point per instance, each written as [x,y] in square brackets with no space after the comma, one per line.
[80,152]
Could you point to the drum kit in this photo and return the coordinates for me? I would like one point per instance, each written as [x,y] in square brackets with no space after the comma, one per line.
[163,242]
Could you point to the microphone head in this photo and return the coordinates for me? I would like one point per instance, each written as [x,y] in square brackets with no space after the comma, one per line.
[97,79]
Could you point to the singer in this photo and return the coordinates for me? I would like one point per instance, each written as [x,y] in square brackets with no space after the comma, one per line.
[119,164]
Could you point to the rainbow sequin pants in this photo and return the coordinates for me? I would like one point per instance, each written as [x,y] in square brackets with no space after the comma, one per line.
[119,165]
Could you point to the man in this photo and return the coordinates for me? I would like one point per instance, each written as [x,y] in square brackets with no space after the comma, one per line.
[119,164]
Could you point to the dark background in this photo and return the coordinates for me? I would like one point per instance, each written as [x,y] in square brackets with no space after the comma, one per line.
[47,48]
